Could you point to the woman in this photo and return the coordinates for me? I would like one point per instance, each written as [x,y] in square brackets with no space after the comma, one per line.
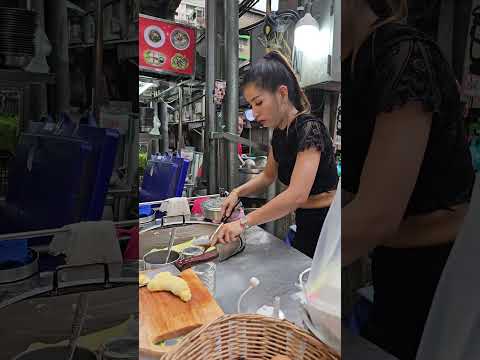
[406,166]
[301,155]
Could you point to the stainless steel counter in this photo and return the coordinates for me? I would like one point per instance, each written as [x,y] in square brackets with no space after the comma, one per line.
[276,265]
[265,257]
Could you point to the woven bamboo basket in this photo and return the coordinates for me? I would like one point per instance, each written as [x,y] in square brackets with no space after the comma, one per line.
[250,337]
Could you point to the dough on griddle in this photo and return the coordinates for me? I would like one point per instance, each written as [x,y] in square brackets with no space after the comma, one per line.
[165,281]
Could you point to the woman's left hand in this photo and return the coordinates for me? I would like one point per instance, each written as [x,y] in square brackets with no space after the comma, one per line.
[228,232]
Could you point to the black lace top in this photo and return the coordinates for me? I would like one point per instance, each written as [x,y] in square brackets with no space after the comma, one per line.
[396,65]
[304,133]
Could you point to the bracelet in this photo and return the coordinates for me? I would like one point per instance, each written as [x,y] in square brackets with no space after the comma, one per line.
[244,223]
[235,191]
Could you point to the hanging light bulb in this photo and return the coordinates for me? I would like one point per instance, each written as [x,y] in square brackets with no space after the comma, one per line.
[309,40]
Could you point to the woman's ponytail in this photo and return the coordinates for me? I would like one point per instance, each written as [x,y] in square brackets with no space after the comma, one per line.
[298,98]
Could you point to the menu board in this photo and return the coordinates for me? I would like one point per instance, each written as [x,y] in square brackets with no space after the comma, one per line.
[165,46]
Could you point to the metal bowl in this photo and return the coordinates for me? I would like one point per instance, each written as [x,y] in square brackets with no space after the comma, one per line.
[260,162]
[120,348]
[147,219]
[21,272]
[156,259]
[192,251]
[249,164]
[212,209]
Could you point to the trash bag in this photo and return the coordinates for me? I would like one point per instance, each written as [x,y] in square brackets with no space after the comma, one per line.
[323,287]
[452,330]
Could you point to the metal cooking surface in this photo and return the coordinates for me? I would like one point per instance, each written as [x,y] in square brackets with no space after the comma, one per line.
[158,238]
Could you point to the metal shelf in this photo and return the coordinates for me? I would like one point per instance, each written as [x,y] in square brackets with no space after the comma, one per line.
[106,42]
[20,77]
[186,122]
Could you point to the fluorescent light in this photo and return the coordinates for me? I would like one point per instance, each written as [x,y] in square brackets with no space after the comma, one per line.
[144,87]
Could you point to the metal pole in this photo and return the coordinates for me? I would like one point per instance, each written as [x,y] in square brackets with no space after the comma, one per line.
[159,95]
[163,126]
[58,35]
[48,232]
[220,57]
[180,118]
[210,165]
[39,91]
[271,192]
[98,99]
[232,93]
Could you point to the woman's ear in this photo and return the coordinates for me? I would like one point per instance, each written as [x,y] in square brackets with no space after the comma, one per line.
[283,91]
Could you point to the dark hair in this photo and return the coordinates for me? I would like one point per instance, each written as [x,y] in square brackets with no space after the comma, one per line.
[389,9]
[274,70]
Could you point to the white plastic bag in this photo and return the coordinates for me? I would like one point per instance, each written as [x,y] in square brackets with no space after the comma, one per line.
[452,331]
[323,288]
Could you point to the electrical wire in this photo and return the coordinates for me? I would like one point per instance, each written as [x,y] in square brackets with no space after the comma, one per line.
[245,6]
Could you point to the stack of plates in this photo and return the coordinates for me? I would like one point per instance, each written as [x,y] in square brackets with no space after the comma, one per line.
[17,33]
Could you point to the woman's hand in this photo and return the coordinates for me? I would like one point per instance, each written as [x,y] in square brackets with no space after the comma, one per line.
[229,203]
[228,233]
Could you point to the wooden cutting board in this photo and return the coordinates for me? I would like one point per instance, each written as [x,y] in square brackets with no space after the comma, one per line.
[164,316]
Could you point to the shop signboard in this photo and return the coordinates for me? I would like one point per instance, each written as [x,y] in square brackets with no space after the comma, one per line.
[244,47]
[166,47]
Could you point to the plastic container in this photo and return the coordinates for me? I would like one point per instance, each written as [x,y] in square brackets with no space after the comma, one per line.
[13,251]
[207,273]
[197,205]
[145,210]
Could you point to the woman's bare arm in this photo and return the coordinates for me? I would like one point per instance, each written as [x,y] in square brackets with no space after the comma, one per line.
[387,181]
[295,195]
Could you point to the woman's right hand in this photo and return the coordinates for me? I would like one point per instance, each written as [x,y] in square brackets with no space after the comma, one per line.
[229,203]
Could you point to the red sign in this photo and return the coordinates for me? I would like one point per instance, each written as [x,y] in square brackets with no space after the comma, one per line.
[166,47]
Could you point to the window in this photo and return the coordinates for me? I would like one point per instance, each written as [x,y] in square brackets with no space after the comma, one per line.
[200,19]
